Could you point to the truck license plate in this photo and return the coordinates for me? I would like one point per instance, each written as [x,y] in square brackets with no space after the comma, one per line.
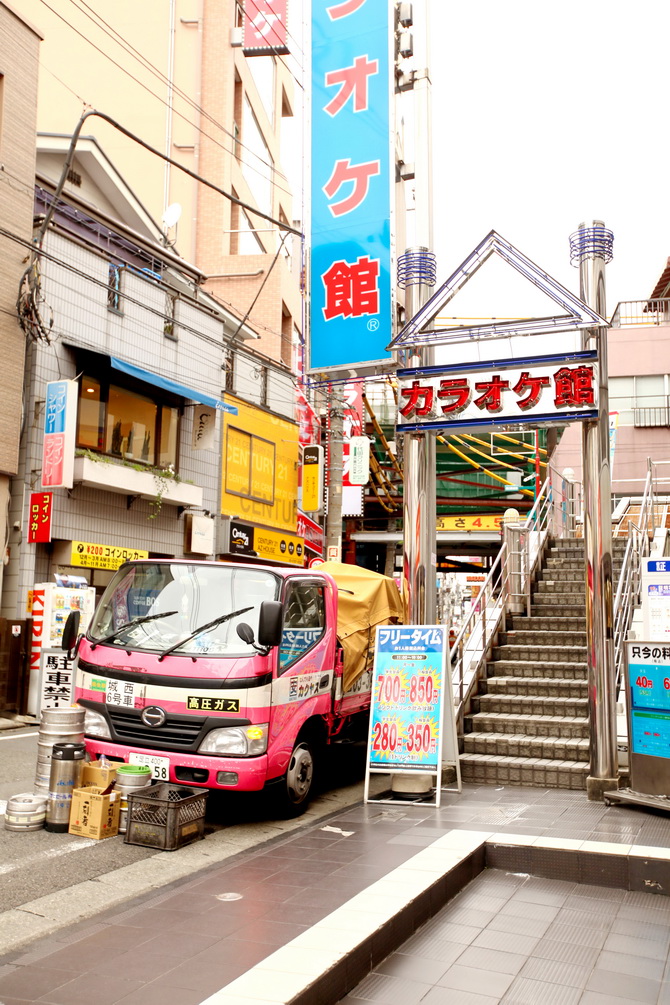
[160,766]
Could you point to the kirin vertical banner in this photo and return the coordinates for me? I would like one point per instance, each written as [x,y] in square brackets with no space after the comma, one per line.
[350,276]
[60,420]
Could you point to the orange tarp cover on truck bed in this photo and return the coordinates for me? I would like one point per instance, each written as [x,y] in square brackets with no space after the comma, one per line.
[365,599]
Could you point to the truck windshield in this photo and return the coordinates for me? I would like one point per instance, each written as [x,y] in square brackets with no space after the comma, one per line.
[168,601]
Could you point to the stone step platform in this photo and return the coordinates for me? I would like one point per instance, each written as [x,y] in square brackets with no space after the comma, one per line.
[538,687]
[510,704]
[542,623]
[521,637]
[520,745]
[553,654]
[538,772]
[537,668]
[527,724]
[558,601]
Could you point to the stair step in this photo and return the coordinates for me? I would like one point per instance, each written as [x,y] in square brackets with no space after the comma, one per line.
[537,687]
[546,602]
[511,704]
[527,724]
[537,772]
[575,587]
[562,576]
[541,669]
[554,654]
[577,564]
[520,745]
[544,623]
[521,637]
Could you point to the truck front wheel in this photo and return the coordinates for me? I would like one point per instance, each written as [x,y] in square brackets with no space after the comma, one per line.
[298,784]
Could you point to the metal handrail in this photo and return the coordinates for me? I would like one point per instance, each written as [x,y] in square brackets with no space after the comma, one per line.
[638,547]
[473,642]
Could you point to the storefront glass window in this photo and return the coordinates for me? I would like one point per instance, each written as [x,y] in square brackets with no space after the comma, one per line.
[125,424]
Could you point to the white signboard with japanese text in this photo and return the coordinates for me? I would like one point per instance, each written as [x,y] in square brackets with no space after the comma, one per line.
[537,390]
[655,596]
[56,688]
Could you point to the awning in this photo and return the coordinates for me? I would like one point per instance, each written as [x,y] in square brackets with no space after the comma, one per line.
[171,385]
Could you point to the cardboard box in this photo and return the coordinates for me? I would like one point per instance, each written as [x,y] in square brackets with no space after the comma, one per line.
[94,815]
[93,774]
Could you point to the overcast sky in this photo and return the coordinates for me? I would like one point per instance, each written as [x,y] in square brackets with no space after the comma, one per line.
[545,115]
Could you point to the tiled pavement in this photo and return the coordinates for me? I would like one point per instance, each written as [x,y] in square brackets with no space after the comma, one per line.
[507,936]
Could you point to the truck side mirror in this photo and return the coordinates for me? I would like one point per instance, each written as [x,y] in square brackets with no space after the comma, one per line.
[270,623]
[70,631]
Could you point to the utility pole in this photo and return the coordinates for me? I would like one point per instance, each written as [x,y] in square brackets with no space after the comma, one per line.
[591,249]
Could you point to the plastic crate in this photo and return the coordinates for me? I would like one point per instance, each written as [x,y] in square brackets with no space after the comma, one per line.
[166,816]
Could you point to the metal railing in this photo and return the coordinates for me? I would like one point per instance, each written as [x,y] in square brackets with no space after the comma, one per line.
[507,586]
[640,313]
[627,597]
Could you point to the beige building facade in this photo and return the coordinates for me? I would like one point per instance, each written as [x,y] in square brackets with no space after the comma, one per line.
[19,64]
[173,73]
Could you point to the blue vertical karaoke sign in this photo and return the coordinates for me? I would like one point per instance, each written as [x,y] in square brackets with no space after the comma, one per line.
[350,312]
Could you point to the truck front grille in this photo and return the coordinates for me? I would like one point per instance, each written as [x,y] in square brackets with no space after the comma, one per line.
[176,733]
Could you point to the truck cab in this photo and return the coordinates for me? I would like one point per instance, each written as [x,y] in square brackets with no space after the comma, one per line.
[214,674]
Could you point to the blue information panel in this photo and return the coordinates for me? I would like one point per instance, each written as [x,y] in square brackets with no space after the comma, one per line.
[408,698]
[649,696]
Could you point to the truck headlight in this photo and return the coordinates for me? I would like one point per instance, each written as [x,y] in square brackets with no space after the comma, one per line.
[236,741]
[95,724]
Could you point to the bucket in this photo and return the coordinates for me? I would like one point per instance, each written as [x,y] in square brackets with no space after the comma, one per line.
[26,812]
[130,778]
[57,725]
[66,767]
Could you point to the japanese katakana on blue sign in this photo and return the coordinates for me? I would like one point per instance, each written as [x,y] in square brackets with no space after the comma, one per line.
[351,184]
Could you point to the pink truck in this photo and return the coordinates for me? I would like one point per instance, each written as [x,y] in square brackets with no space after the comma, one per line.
[227,676]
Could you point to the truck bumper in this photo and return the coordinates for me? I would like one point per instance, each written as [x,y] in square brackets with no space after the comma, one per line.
[194,769]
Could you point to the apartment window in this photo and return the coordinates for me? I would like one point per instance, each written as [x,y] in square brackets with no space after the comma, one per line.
[286,337]
[114,288]
[257,162]
[228,368]
[124,423]
[263,71]
[640,401]
[248,242]
[170,324]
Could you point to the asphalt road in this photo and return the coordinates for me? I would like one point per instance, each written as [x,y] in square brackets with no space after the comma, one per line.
[36,864]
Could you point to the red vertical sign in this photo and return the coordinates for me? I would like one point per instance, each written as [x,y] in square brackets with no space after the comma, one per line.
[39,517]
[353,422]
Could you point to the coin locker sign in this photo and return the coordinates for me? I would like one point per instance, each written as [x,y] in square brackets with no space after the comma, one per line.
[407,699]
[89,555]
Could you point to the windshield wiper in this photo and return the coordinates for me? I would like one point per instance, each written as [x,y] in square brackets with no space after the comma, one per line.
[131,624]
[204,628]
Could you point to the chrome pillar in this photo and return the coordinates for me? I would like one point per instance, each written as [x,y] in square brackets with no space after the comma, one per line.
[592,247]
[419,549]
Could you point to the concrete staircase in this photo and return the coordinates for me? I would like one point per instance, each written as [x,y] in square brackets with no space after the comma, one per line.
[528,723]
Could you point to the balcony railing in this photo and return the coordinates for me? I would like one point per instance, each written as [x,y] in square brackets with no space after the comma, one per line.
[639,313]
